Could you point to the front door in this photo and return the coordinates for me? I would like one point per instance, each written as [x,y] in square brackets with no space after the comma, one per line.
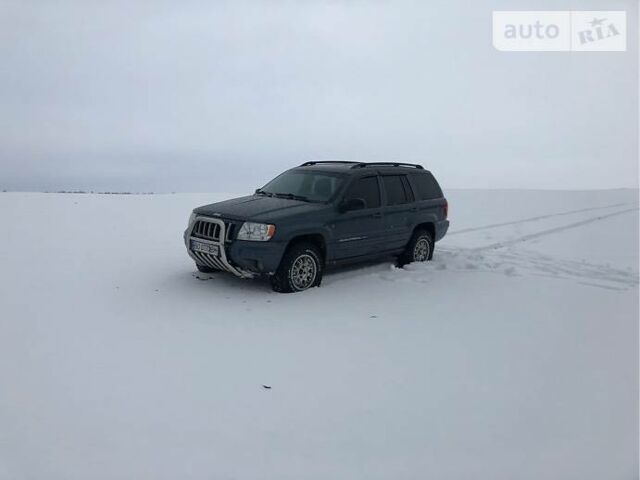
[359,232]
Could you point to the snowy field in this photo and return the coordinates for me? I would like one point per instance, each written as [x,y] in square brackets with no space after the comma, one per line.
[513,355]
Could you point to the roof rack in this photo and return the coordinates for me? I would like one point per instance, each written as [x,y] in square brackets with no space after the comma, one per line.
[317,162]
[387,164]
[362,164]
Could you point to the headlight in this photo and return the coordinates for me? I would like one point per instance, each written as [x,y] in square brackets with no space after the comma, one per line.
[192,219]
[259,232]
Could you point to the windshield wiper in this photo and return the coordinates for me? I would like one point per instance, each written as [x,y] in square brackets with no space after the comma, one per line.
[291,196]
[259,191]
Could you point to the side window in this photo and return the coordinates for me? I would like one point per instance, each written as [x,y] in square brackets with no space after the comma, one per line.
[407,189]
[426,186]
[367,189]
[395,189]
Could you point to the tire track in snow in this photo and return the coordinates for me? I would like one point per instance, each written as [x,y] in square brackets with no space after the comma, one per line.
[490,259]
[596,275]
[523,262]
[550,231]
[534,219]
[516,262]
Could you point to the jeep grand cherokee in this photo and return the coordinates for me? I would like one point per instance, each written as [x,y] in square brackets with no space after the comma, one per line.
[317,215]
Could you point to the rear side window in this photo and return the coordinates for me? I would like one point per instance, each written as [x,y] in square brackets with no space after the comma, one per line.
[426,186]
[397,189]
[407,188]
[367,189]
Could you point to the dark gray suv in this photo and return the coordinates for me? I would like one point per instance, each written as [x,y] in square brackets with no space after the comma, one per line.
[317,215]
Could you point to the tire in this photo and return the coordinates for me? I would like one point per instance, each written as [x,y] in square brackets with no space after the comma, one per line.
[419,248]
[300,269]
[205,269]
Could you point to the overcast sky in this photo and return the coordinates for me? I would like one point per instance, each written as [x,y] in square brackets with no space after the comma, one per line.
[221,96]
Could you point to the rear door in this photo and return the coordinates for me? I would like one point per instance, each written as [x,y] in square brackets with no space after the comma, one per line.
[399,211]
[358,232]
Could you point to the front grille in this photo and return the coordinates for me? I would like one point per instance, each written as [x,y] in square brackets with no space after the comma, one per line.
[211,231]
[206,230]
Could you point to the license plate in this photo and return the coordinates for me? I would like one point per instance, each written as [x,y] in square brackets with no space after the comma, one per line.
[205,248]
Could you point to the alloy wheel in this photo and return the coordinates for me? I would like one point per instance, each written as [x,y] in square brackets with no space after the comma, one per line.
[421,250]
[303,272]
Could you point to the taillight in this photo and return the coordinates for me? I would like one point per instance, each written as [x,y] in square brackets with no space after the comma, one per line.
[446,209]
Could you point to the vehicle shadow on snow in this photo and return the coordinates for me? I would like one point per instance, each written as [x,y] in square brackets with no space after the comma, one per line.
[230,283]
[355,270]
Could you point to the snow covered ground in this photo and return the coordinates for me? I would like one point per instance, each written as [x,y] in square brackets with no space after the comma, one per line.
[514,354]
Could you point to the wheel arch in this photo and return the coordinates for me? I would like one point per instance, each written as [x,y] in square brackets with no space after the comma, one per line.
[316,239]
[428,226]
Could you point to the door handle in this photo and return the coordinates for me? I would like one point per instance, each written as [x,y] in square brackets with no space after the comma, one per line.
[376,215]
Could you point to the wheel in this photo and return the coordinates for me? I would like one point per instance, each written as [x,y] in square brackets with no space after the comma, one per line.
[205,269]
[419,248]
[300,269]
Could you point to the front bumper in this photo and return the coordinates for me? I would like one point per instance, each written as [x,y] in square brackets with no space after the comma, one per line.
[258,257]
[243,258]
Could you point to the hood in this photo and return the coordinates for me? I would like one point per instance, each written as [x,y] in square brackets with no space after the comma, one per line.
[257,207]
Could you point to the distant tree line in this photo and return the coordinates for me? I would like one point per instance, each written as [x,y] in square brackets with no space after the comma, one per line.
[102,193]
[97,192]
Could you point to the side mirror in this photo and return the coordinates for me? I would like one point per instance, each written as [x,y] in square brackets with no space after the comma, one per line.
[352,204]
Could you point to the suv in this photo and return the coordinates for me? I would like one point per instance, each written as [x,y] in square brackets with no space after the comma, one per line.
[317,215]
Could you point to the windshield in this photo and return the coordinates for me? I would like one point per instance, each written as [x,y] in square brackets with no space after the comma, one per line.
[306,186]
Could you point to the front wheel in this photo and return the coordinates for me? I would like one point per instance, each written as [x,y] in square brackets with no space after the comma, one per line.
[419,248]
[300,269]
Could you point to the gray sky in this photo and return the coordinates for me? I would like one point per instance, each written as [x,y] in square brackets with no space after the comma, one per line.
[206,96]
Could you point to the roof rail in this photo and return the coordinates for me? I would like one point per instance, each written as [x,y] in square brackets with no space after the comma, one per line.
[316,162]
[387,164]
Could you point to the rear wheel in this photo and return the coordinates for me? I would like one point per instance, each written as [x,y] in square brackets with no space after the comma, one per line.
[300,269]
[419,248]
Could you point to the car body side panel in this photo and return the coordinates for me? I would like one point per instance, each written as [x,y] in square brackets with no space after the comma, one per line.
[356,233]
[398,224]
[441,229]
[431,211]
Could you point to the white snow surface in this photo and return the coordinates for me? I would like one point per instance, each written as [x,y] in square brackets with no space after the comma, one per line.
[514,354]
